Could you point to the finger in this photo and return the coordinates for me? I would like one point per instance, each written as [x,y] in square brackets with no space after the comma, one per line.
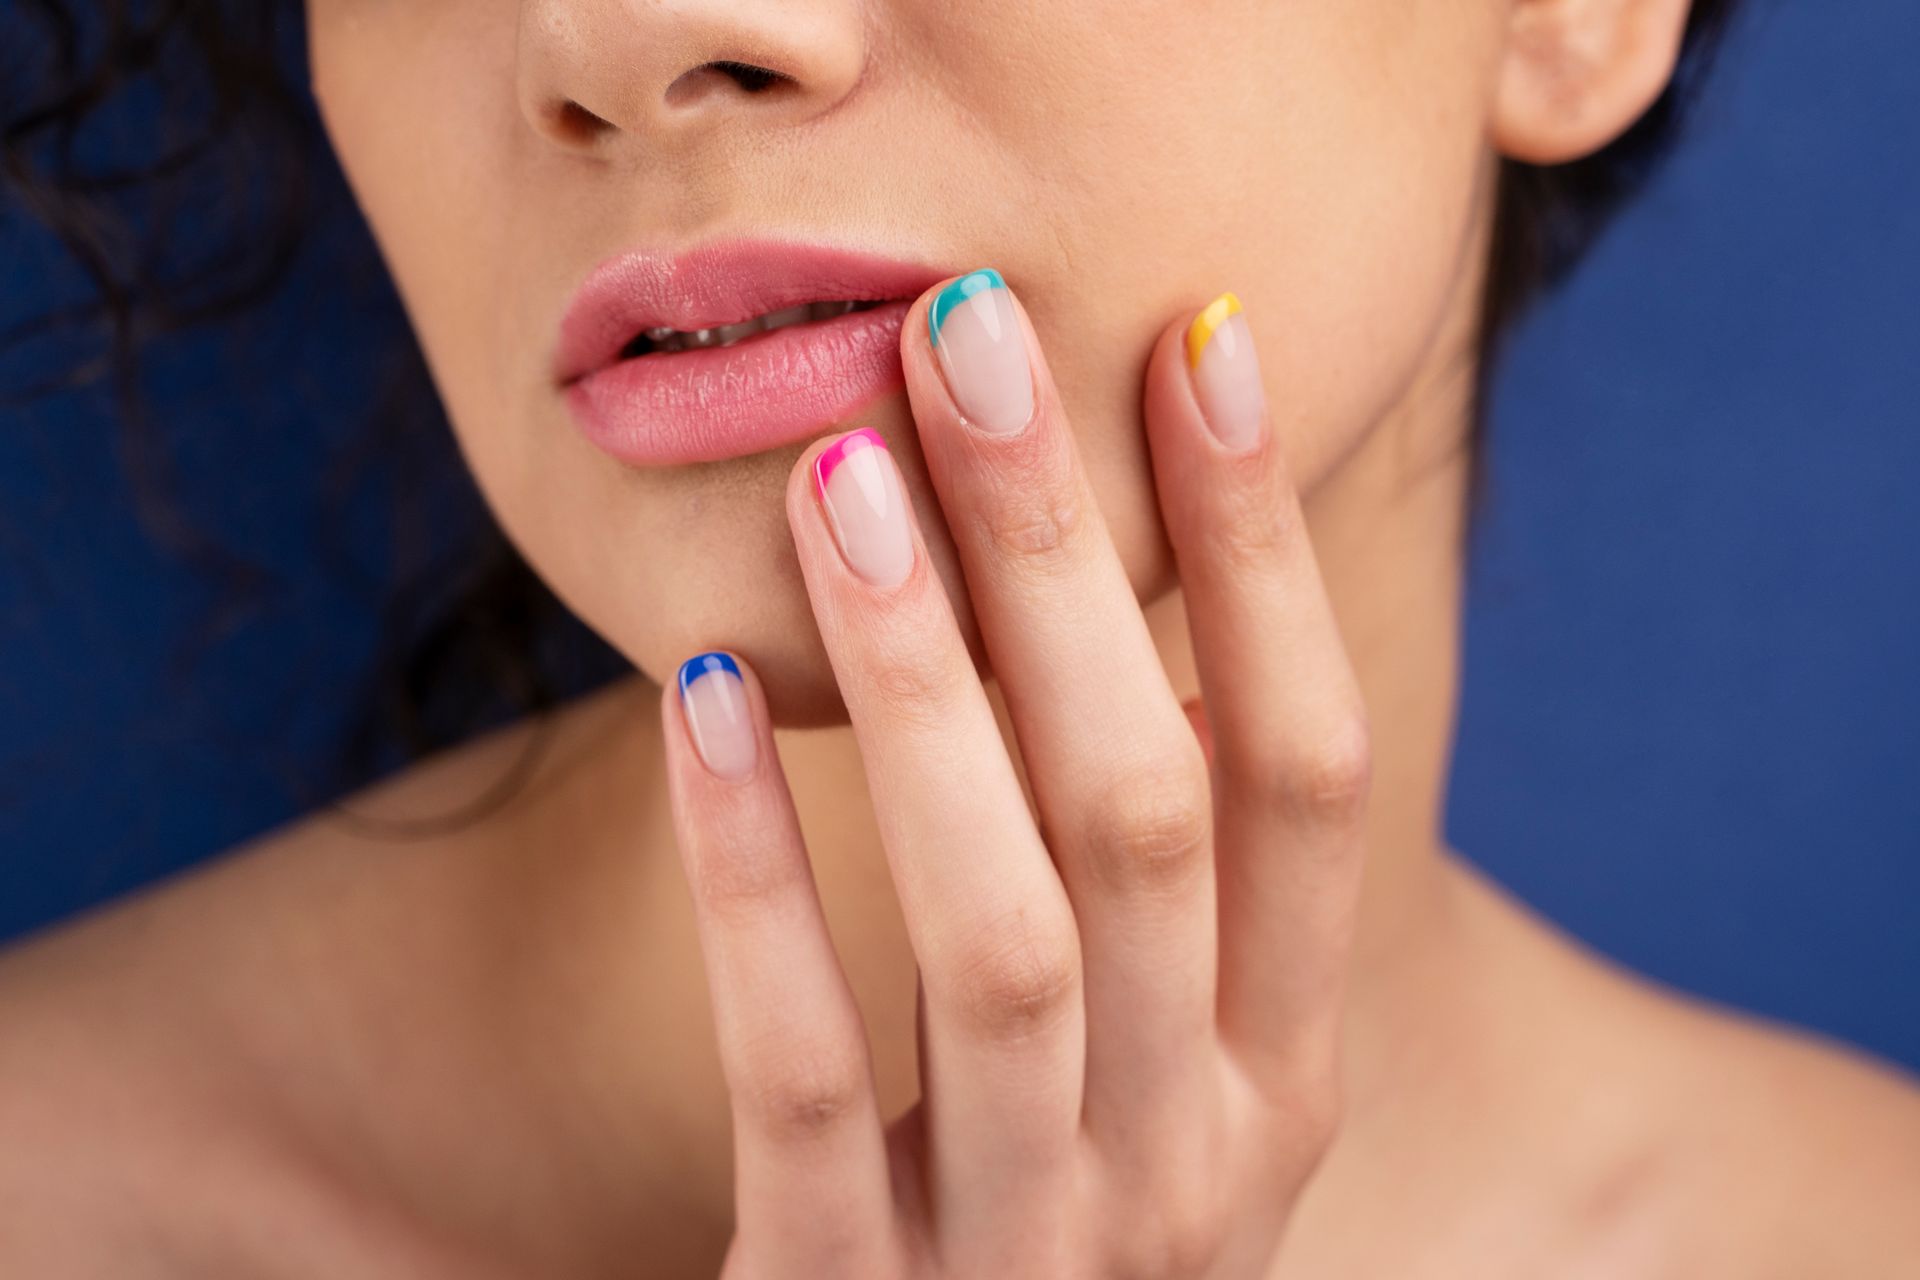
[1196,710]
[983,907]
[810,1168]
[1116,772]
[1289,743]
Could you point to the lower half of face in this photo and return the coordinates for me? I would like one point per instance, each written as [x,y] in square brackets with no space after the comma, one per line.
[1119,163]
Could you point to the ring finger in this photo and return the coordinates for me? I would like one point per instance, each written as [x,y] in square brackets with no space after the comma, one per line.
[984,909]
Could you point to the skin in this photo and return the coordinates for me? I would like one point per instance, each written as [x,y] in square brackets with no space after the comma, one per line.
[521,1049]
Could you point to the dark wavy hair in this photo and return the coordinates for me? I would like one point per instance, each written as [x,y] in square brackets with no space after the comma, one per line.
[208,226]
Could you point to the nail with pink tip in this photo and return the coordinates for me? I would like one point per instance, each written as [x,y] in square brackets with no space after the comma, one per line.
[866,506]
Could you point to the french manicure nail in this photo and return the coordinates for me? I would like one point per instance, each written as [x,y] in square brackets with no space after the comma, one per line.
[865,505]
[715,701]
[983,352]
[1226,372]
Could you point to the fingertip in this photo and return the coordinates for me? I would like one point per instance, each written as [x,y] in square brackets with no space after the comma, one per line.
[1208,323]
[1173,422]
[1224,369]
[917,331]
[719,707]
[803,479]
[972,360]
[917,359]
[1204,378]
[800,477]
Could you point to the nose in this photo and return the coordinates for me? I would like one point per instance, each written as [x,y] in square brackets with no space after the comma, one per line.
[591,72]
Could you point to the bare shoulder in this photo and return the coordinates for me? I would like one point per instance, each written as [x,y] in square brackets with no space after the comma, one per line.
[320,873]
[1713,1143]
[1803,1155]
[500,790]
[161,1057]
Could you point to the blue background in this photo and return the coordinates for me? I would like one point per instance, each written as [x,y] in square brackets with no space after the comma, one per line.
[1691,723]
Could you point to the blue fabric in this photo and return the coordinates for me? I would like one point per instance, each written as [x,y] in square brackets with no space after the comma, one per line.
[1691,719]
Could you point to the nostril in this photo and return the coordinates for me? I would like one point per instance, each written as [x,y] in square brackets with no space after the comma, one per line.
[745,77]
[749,77]
[575,124]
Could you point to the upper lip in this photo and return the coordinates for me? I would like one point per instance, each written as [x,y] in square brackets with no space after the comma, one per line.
[716,284]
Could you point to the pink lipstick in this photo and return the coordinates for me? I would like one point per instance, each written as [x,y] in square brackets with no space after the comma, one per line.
[732,348]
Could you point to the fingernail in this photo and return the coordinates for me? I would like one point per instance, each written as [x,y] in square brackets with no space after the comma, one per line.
[1226,372]
[983,352]
[715,701]
[866,507]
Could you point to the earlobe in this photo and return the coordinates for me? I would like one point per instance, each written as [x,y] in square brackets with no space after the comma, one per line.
[1576,74]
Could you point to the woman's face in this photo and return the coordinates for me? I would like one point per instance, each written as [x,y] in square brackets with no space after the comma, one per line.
[1119,161]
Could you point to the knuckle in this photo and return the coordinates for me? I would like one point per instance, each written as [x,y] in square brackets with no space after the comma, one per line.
[744,879]
[1034,522]
[1251,524]
[802,1093]
[1179,1233]
[1151,831]
[1335,777]
[1311,1116]
[1308,1104]
[908,683]
[1326,777]
[1315,1106]
[1022,981]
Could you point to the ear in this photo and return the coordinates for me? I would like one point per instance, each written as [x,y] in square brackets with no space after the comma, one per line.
[1576,74]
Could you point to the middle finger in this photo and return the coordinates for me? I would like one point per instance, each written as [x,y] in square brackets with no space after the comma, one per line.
[1116,771]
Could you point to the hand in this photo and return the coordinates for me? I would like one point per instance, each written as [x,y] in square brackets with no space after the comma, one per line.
[1129,1014]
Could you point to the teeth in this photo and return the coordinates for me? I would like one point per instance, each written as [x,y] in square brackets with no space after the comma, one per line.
[792,315]
[663,339]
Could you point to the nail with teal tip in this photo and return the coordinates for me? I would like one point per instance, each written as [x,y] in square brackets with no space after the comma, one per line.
[974,282]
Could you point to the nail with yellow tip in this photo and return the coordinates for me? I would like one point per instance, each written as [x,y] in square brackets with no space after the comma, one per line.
[1207,323]
[1226,373]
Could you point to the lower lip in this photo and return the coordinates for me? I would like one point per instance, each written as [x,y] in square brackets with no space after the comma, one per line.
[726,402]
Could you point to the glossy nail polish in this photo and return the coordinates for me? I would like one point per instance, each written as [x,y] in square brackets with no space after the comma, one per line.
[714,698]
[983,352]
[1226,372]
[866,507]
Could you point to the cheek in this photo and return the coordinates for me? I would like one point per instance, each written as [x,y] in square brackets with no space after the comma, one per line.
[410,112]
[414,106]
[418,103]
[1325,160]
[1378,221]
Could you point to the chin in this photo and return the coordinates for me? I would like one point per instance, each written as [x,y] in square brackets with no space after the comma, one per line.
[711,565]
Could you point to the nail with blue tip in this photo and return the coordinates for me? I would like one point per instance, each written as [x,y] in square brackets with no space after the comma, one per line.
[714,699]
[983,352]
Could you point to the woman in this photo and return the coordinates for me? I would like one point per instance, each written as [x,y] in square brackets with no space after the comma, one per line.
[1108,622]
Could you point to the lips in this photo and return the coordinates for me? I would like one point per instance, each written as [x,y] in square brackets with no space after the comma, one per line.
[730,349]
